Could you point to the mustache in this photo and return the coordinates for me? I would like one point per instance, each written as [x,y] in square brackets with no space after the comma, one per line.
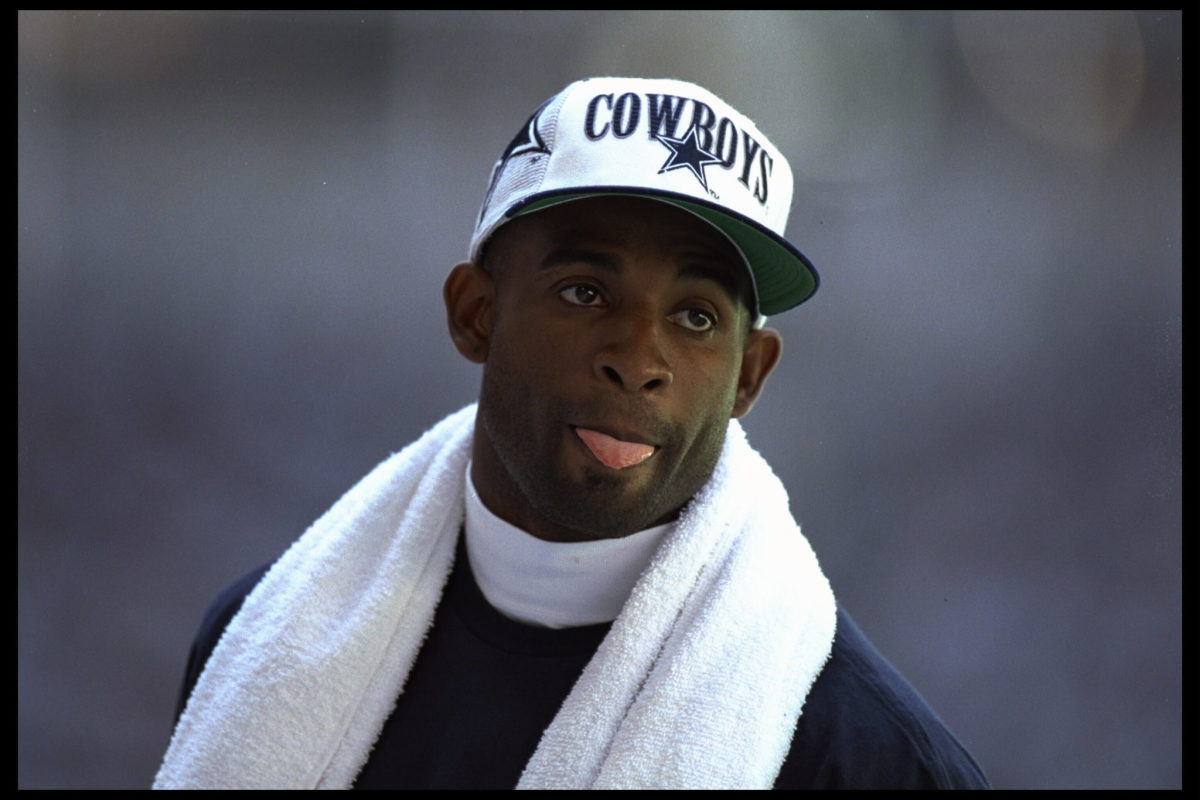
[639,417]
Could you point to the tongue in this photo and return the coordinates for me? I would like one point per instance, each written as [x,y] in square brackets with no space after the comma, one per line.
[614,453]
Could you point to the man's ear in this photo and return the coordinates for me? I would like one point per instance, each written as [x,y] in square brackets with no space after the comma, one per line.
[469,293]
[759,357]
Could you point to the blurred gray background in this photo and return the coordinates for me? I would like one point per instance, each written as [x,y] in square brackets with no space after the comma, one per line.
[232,230]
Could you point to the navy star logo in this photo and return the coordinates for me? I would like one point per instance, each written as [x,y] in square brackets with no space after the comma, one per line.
[527,141]
[686,153]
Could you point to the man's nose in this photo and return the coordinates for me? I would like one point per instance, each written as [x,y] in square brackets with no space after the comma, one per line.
[633,358]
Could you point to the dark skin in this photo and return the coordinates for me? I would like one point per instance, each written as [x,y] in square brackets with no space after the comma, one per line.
[622,315]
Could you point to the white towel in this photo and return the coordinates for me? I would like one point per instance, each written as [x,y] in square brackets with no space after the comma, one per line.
[698,684]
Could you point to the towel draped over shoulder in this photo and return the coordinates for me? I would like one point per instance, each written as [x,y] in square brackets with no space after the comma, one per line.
[698,684]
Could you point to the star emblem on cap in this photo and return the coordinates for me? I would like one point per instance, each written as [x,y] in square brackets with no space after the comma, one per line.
[687,153]
[528,139]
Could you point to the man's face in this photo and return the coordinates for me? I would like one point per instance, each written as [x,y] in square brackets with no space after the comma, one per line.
[616,340]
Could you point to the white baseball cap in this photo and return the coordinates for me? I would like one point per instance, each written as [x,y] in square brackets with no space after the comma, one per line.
[666,139]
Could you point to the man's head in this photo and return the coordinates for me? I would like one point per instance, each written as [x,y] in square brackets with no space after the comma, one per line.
[615,322]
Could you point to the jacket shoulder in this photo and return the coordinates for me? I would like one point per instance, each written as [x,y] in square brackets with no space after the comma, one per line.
[216,619]
[864,726]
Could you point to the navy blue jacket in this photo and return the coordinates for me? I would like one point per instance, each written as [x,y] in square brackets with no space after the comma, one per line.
[484,687]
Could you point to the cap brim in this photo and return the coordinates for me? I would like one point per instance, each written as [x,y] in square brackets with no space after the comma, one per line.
[783,277]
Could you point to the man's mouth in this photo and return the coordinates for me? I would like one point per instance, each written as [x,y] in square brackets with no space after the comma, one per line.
[612,452]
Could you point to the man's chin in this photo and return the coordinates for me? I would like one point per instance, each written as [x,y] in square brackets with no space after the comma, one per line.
[605,507]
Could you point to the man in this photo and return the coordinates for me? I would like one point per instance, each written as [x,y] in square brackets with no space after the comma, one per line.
[588,580]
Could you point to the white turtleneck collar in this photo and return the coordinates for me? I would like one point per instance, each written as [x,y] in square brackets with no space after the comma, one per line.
[553,584]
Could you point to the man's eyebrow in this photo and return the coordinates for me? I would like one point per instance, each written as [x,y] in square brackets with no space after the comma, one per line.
[575,255]
[723,276]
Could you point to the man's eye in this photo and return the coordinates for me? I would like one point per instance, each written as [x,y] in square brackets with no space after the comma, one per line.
[580,294]
[695,319]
